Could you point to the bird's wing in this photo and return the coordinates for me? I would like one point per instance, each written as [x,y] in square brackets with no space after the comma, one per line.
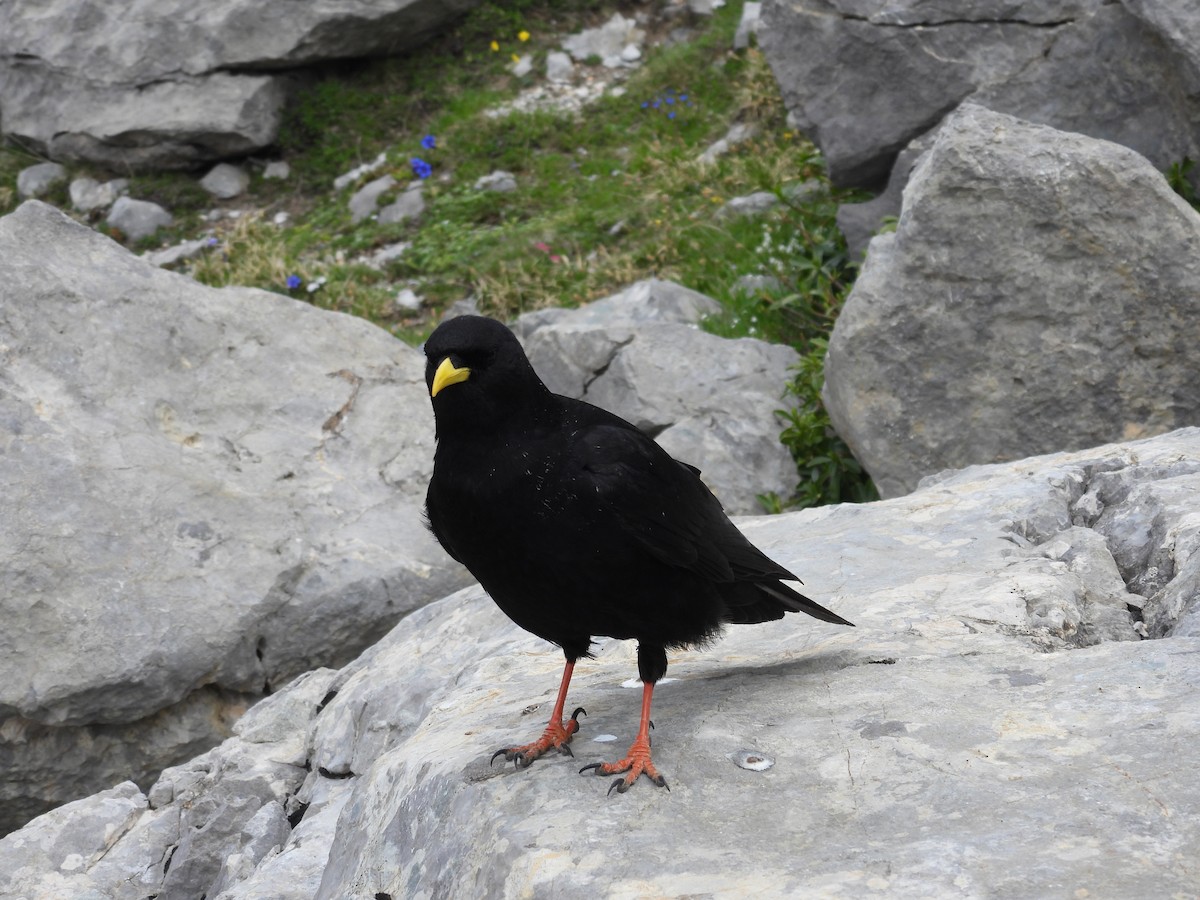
[665,507]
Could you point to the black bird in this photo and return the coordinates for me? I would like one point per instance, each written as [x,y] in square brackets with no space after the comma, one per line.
[578,524]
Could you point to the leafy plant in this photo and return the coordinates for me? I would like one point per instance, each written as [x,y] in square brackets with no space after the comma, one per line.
[829,473]
[12,160]
[1180,180]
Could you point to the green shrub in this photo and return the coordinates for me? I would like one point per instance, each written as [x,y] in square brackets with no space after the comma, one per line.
[829,473]
[1179,176]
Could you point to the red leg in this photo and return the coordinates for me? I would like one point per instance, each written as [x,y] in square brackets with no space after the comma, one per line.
[557,734]
[637,760]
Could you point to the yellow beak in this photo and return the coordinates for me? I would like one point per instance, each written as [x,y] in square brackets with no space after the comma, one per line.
[447,375]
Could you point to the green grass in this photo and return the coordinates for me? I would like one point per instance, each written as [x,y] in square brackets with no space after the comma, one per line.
[12,160]
[606,197]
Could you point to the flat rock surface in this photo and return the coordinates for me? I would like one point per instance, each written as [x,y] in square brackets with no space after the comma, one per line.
[992,727]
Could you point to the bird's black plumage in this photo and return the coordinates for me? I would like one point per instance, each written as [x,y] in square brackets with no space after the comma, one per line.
[575,522]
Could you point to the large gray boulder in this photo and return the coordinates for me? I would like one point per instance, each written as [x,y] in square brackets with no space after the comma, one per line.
[204,493]
[996,666]
[1041,292]
[862,80]
[707,400]
[173,84]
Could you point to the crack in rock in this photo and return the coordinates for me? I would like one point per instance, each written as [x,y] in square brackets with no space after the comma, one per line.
[1131,553]
[334,423]
[617,347]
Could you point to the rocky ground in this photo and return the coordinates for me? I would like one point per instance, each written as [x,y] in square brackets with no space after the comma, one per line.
[994,726]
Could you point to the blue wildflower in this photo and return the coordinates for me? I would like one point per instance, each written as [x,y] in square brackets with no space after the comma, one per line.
[668,102]
[429,142]
[294,281]
[421,168]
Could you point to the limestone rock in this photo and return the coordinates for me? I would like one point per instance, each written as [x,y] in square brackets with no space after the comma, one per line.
[181,252]
[407,300]
[409,205]
[607,42]
[499,181]
[894,743]
[167,84]
[35,181]
[277,169]
[747,25]
[738,133]
[559,67]
[368,168]
[863,82]
[89,195]
[197,504]
[384,255]
[43,764]
[709,401]
[225,181]
[137,219]
[1041,292]
[750,205]
[365,200]
[522,66]
[646,302]
[172,124]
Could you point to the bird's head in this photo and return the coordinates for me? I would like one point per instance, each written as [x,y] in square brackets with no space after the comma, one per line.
[477,374]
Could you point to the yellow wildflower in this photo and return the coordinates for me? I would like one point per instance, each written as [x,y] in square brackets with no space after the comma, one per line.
[495,46]
[523,36]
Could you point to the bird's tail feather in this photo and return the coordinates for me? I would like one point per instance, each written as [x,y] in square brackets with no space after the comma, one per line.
[794,601]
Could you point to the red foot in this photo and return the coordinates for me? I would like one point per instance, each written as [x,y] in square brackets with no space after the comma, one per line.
[556,737]
[636,762]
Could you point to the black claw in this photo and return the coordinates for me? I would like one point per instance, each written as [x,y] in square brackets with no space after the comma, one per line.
[523,761]
[662,782]
[503,753]
[565,750]
[591,766]
[579,711]
[619,786]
